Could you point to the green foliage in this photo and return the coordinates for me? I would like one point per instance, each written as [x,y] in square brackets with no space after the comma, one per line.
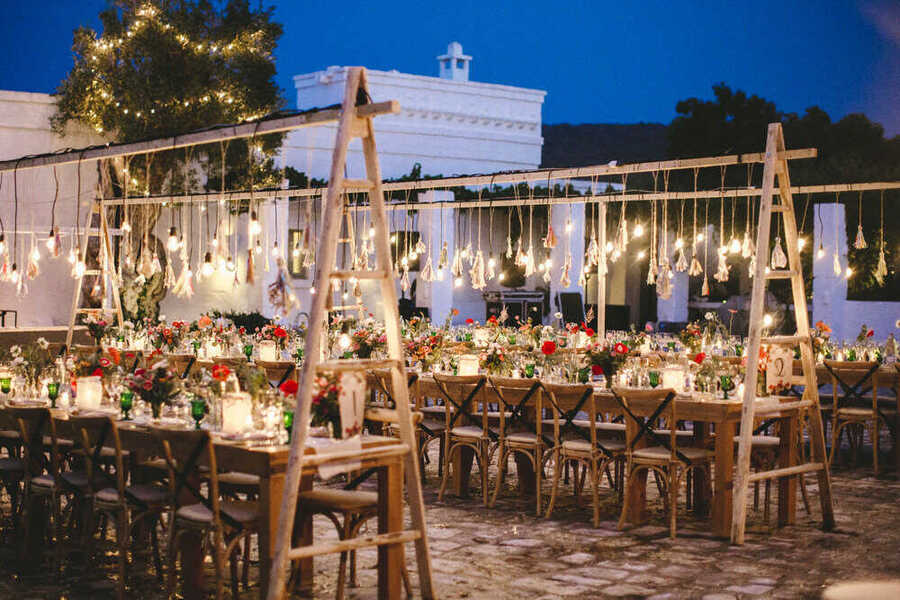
[250,321]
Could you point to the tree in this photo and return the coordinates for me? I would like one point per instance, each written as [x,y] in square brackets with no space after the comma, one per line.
[163,67]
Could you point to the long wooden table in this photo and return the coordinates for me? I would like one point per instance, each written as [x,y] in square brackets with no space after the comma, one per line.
[270,464]
[722,415]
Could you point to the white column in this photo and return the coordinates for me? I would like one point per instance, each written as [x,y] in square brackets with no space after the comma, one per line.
[437,295]
[572,241]
[675,309]
[830,289]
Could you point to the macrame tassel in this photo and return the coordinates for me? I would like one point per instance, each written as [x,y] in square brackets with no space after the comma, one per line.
[279,296]
[860,243]
[57,243]
[550,239]
[444,258]
[722,268]
[145,269]
[652,271]
[529,265]
[509,247]
[582,279]
[420,247]
[362,262]
[664,281]
[779,258]
[881,270]
[565,280]
[837,264]
[521,256]
[357,291]
[4,268]
[21,288]
[404,280]
[747,246]
[32,269]
[251,275]
[170,280]
[457,269]
[704,291]
[504,315]
[681,265]
[155,264]
[469,254]
[491,271]
[696,268]
[593,252]
[477,272]
[184,287]
[427,274]
[546,277]
[622,241]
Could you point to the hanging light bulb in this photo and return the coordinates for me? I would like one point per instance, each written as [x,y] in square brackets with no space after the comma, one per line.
[229,265]
[371,232]
[394,238]
[548,263]
[35,254]
[51,242]
[14,274]
[254,228]
[312,291]
[345,295]
[79,268]
[207,269]
[258,247]
[492,262]
[735,246]
[609,247]
[275,249]
[801,244]
[848,273]
[344,342]
[820,253]
[641,255]
[616,254]
[2,244]
[638,230]
[172,243]
[413,255]
[72,256]
[679,244]
[700,237]
[767,320]
[541,267]
[404,262]
[439,274]
[215,242]
[568,226]
[502,275]
[457,282]
[296,251]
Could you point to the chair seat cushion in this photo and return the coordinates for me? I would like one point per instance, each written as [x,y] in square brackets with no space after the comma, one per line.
[242,512]
[236,478]
[585,446]
[433,425]
[762,440]
[145,493]
[43,481]
[9,434]
[75,479]
[660,453]
[523,437]
[862,413]
[467,431]
[679,433]
[331,500]
[12,464]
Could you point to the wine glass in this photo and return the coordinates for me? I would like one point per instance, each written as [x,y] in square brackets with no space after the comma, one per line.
[126,402]
[53,392]
[653,378]
[248,351]
[198,410]
[726,383]
[288,417]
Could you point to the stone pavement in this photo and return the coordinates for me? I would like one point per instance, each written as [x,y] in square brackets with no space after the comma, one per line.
[507,552]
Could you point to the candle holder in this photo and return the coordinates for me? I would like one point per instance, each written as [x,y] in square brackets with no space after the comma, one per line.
[5,384]
[529,370]
[248,351]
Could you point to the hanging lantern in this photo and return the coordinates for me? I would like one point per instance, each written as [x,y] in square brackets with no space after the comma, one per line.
[735,246]
[638,230]
[779,259]
[860,243]
[254,228]
[172,243]
[207,269]
[721,274]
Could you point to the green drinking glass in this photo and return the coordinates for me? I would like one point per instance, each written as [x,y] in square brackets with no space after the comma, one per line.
[511,339]
[288,417]
[726,383]
[126,401]
[529,370]
[653,376]
[248,350]
[198,411]
[196,345]
[5,384]
[53,392]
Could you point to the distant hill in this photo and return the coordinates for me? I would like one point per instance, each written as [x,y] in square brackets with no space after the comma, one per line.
[568,145]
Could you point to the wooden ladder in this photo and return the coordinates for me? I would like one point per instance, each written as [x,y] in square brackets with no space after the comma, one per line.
[776,166]
[352,124]
[108,275]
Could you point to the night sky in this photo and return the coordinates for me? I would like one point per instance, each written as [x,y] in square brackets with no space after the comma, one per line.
[599,61]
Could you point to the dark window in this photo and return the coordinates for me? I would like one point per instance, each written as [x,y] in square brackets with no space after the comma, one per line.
[460,63]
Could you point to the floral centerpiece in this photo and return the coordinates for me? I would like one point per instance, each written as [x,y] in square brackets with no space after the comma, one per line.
[166,338]
[97,327]
[691,337]
[325,410]
[821,340]
[32,361]
[275,333]
[495,360]
[606,360]
[368,339]
[155,386]
[426,348]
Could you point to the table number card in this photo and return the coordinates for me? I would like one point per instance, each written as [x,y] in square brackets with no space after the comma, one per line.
[468,364]
[352,401]
[779,367]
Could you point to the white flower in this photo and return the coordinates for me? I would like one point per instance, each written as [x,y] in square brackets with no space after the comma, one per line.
[43,343]
[558,315]
[897,324]
[709,316]
[162,318]
[127,325]
[16,350]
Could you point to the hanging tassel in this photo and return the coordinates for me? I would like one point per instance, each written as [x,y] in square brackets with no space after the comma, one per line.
[565,280]
[155,264]
[509,247]
[427,274]
[593,252]
[404,280]
[837,264]
[357,291]
[504,315]
[521,256]
[21,288]
[250,268]
[860,243]
[529,265]
[4,268]
[779,259]
[881,270]
[550,239]
[722,269]
[622,241]
[457,269]
[704,291]
[362,262]
[477,272]
[169,281]
[57,243]
[443,259]
[32,269]
[420,247]
[491,267]
[747,246]
[469,254]
[279,296]
[582,279]
[546,276]
[184,287]
[681,264]
[652,271]
[664,282]
[696,268]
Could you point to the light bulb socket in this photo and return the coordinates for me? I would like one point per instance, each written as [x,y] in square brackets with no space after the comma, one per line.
[173,233]
[207,258]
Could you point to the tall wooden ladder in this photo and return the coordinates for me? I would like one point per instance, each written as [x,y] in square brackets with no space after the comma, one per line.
[112,300]
[776,167]
[352,125]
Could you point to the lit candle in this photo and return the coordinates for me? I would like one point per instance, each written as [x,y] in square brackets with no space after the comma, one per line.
[236,412]
[90,392]
[268,351]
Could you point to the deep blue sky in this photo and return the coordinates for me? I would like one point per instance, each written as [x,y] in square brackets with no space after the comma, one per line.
[599,61]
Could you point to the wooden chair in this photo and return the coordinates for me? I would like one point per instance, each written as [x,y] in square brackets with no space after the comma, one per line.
[466,424]
[12,467]
[182,364]
[126,505]
[520,428]
[665,458]
[851,382]
[584,442]
[227,523]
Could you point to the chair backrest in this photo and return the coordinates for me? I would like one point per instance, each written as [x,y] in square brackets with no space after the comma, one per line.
[643,408]
[185,450]
[92,433]
[516,395]
[566,400]
[182,364]
[464,399]
[849,381]
[33,423]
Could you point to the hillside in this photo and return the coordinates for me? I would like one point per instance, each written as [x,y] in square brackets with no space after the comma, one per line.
[568,145]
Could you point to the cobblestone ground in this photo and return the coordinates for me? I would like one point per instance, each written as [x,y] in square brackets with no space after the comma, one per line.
[506,552]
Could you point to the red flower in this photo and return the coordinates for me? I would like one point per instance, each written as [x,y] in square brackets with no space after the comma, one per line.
[115,355]
[104,362]
[242,330]
[98,372]
[870,333]
[140,372]
[700,357]
[492,320]
[148,385]
[289,387]
[129,355]
[590,332]
[620,348]
[470,321]
[220,372]
[548,347]
[596,369]
[279,332]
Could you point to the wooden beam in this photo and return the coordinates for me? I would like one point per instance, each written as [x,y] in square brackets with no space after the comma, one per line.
[207,136]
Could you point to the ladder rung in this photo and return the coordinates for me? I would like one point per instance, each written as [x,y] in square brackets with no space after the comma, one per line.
[785,340]
[314,460]
[358,184]
[795,470]
[390,415]
[781,274]
[93,272]
[367,541]
[378,108]
[360,274]
[345,307]
[759,409]
[359,364]
[779,208]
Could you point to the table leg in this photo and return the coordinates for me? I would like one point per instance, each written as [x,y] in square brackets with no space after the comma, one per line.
[635,485]
[390,519]
[270,492]
[191,550]
[701,491]
[787,457]
[724,474]
[525,474]
[462,458]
